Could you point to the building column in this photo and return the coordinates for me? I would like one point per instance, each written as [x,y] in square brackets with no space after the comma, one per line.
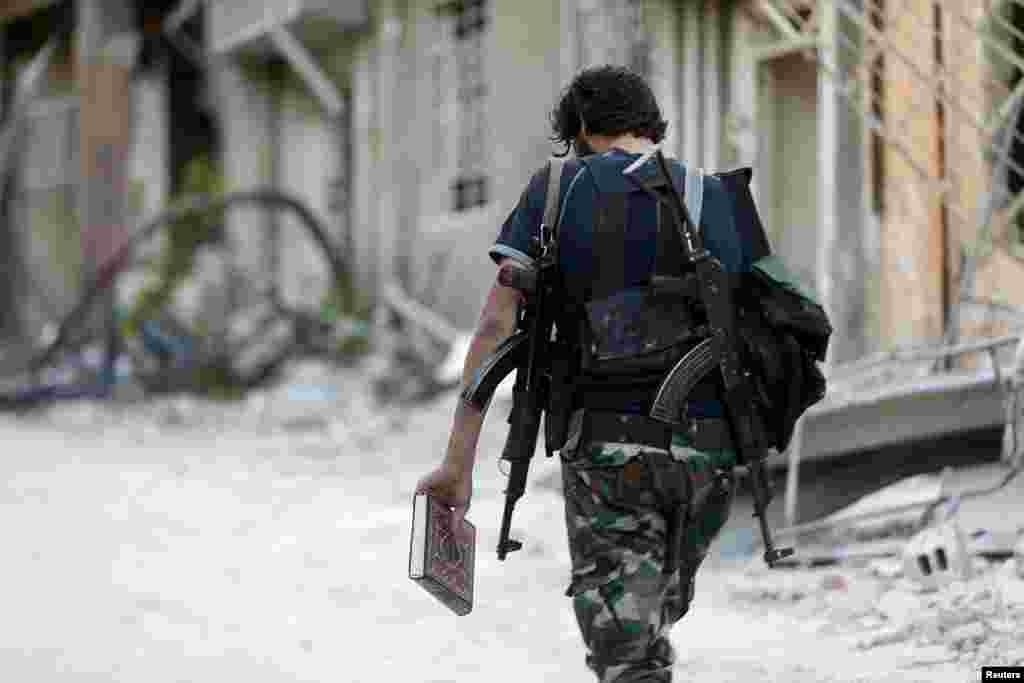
[106,50]
[912,235]
[972,87]
[107,47]
[841,205]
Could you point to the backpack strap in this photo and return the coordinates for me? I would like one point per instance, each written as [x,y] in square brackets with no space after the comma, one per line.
[694,194]
[669,259]
[551,214]
[610,213]
[608,242]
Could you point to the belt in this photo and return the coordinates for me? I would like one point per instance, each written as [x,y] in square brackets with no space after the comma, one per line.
[608,397]
[704,433]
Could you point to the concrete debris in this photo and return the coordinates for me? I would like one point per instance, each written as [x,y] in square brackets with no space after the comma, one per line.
[937,555]
[933,654]
[858,599]
[967,635]
[886,636]
[1006,626]
[898,606]
[834,582]
[265,349]
[886,568]
[1010,585]
[314,397]
[974,621]
[870,622]
[994,545]
[917,490]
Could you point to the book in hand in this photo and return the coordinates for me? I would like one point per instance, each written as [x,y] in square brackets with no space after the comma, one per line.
[441,558]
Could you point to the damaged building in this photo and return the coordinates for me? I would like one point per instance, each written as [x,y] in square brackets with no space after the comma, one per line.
[883,135]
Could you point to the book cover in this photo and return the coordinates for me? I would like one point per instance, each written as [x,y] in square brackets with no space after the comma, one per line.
[442,558]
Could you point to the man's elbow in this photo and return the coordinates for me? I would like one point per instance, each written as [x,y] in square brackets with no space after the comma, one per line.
[498,317]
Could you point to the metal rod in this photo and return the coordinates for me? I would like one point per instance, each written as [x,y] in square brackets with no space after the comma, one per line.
[779,20]
[930,354]
[310,72]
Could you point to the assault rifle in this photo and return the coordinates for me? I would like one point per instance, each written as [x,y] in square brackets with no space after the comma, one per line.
[719,348]
[529,352]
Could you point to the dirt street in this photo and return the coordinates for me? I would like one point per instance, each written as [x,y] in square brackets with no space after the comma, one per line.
[133,554]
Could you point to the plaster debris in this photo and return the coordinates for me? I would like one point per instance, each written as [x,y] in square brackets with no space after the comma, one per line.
[886,636]
[886,568]
[898,606]
[976,621]
[967,635]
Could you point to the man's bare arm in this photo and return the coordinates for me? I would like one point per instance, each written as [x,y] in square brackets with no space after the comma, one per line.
[497,322]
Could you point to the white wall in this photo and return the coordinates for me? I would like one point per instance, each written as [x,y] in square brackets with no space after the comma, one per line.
[245,109]
[308,155]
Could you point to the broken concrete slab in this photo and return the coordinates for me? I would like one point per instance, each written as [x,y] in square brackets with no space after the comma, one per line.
[937,555]
[886,636]
[933,654]
[1018,552]
[1009,586]
[886,568]
[992,545]
[919,490]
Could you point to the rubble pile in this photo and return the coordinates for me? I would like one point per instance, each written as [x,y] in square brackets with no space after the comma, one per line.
[975,622]
[311,396]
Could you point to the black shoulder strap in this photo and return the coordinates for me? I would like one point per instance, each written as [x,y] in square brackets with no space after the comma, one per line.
[610,213]
[551,195]
[668,255]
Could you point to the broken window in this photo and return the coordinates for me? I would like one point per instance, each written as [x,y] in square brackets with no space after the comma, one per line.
[465,27]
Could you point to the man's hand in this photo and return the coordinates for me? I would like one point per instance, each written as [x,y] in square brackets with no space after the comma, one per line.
[452,480]
[450,485]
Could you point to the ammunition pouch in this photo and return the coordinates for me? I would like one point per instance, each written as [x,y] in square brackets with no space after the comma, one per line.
[638,332]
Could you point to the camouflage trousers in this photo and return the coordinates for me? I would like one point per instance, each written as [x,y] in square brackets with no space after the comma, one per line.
[625,604]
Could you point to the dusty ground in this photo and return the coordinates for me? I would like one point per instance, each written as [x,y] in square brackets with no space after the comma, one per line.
[243,552]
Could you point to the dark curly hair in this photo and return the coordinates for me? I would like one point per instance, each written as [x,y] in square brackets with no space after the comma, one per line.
[613,100]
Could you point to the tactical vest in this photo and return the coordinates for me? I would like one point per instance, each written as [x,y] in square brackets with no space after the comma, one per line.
[623,340]
[628,337]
